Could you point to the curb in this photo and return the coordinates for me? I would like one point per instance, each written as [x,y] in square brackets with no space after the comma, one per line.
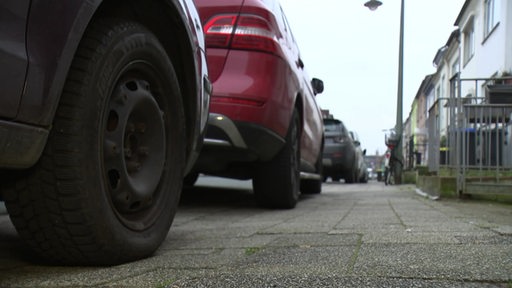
[426,195]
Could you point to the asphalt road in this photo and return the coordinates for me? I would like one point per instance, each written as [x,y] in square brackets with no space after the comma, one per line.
[351,235]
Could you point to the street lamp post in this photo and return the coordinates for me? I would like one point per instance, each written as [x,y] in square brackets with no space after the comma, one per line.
[398,154]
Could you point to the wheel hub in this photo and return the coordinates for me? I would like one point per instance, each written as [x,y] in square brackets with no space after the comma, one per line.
[134,147]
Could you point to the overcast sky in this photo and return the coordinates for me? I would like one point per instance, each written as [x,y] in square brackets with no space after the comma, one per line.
[355,52]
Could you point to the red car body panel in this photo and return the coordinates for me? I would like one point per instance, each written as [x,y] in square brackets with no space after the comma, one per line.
[258,88]
[258,77]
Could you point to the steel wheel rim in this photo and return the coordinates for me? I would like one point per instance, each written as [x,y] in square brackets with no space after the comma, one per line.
[134,153]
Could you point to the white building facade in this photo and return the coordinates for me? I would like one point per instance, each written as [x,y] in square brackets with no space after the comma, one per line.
[470,104]
[486,42]
[479,50]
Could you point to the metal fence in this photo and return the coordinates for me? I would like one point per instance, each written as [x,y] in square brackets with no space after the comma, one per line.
[471,135]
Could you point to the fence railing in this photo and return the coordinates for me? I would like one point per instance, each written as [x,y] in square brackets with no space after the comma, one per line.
[472,134]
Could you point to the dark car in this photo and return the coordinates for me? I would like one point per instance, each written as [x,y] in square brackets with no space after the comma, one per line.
[362,167]
[265,124]
[340,159]
[104,104]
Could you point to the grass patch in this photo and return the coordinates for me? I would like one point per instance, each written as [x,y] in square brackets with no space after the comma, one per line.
[409,177]
[448,187]
[252,250]
[422,170]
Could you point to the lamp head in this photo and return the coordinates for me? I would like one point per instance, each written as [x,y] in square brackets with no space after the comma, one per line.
[373,4]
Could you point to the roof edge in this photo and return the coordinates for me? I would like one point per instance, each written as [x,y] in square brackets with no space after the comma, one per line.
[464,7]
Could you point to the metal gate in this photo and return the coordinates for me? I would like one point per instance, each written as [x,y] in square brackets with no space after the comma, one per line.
[477,144]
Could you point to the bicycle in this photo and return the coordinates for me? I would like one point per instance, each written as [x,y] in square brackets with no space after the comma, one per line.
[391,139]
[388,172]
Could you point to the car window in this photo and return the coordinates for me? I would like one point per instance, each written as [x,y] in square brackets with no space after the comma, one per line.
[331,125]
[344,130]
[334,125]
[354,135]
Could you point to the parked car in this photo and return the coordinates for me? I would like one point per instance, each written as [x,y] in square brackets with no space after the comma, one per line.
[364,175]
[362,168]
[104,104]
[339,155]
[265,124]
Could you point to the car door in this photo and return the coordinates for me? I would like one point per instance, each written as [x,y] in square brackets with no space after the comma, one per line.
[312,128]
[13,55]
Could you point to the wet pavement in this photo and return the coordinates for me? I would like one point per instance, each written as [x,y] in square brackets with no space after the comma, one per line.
[351,235]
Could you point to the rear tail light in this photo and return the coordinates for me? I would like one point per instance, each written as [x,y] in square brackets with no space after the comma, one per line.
[244,32]
[337,155]
[219,31]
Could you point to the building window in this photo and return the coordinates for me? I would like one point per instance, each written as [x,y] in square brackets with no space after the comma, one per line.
[491,16]
[469,42]
[455,67]
[441,94]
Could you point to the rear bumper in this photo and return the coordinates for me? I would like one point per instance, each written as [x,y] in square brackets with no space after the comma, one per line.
[228,142]
[331,165]
[337,159]
[253,87]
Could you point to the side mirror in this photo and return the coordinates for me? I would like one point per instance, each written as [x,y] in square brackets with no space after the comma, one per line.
[364,152]
[318,85]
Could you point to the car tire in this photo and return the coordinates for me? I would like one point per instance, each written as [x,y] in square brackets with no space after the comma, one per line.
[190,179]
[276,182]
[356,176]
[363,179]
[353,175]
[107,186]
[314,186]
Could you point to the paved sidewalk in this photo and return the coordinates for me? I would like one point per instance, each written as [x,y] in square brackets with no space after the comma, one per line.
[359,235]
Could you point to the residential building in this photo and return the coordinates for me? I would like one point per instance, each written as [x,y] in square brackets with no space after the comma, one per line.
[406,134]
[478,49]
[440,87]
[469,98]
[420,131]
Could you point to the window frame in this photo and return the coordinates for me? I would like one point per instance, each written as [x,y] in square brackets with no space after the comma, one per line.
[490,17]
[469,41]
[455,67]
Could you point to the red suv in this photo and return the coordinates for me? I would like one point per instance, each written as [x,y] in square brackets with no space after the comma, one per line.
[264,123]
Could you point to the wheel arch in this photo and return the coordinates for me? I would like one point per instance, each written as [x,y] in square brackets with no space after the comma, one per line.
[49,63]
[181,47]
[299,105]
[40,100]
